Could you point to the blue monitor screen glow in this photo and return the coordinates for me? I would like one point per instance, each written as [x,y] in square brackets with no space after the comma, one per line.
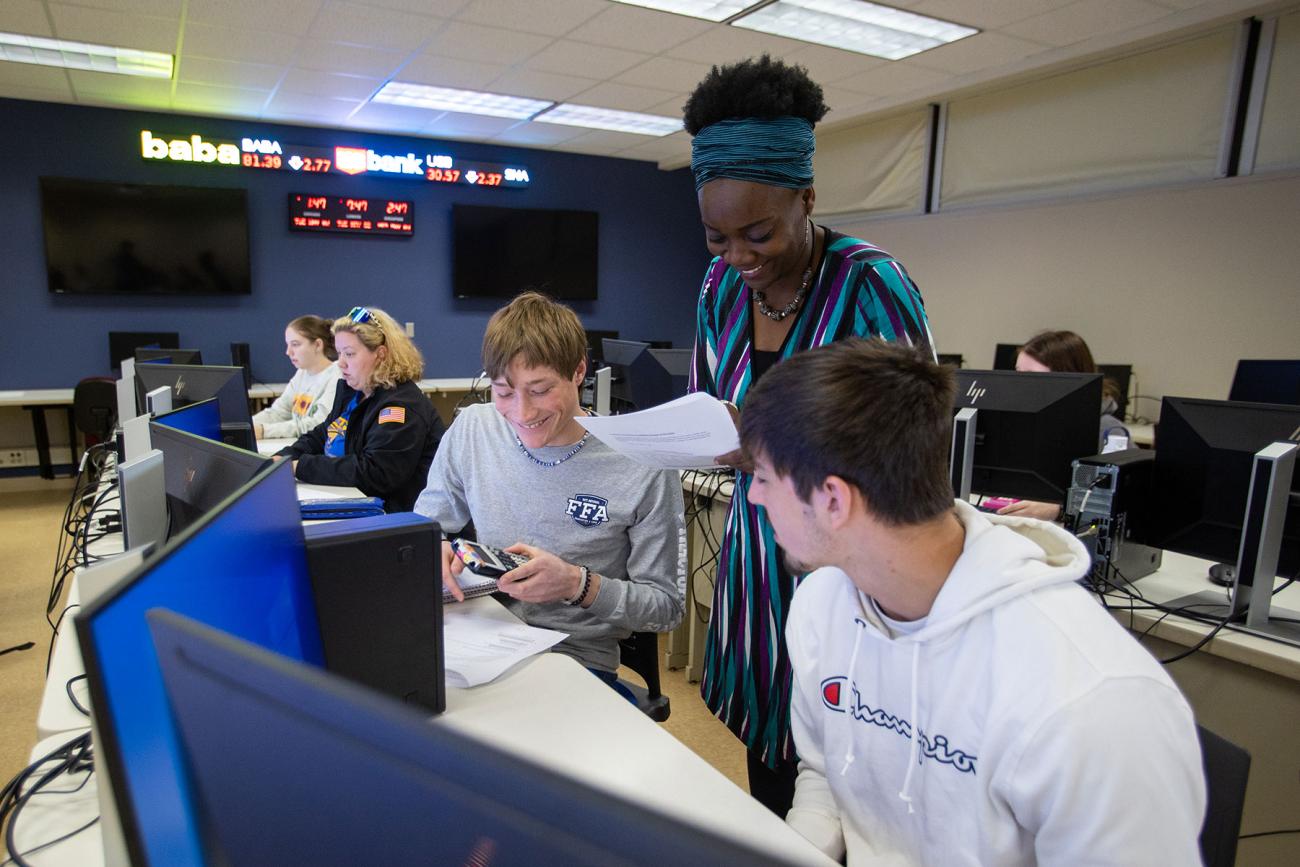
[289,760]
[201,419]
[242,569]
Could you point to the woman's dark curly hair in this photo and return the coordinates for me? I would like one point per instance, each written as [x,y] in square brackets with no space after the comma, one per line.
[757,87]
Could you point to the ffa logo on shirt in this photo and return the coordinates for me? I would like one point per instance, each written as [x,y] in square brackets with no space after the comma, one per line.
[588,510]
[301,403]
[392,415]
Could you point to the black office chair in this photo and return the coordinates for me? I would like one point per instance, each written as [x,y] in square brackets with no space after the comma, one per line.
[640,652]
[1227,766]
[94,408]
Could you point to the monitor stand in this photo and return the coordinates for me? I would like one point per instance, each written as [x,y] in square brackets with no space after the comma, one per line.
[962,460]
[1261,545]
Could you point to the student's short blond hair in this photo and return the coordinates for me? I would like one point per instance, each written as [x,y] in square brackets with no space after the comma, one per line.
[402,362]
[539,331]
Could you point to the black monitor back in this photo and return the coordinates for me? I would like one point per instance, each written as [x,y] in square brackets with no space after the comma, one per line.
[1267,381]
[351,777]
[1204,453]
[147,355]
[200,473]
[1031,427]
[190,383]
[123,344]
[1004,356]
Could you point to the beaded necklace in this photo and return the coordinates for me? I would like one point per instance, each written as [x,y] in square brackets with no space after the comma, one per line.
[555,463]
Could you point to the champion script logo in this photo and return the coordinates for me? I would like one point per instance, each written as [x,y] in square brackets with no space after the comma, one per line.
[975,392]
[932,747]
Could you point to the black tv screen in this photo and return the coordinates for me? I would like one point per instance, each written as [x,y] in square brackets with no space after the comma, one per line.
[500,252]
[144,239]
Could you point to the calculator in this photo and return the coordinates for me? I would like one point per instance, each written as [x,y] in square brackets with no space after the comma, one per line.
[486,560]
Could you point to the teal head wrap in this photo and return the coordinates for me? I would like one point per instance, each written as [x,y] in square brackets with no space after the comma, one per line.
[776,152]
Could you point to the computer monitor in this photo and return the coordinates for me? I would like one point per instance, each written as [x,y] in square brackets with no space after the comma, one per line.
[1004,356]
[200,473]
[1267,381]
[646,376]
[1030,428]
[194,382]
[1122,376]
[168,356]
[201,419]
[123,344]
[293,762]
[1204,453]
[243,569]
[595,341]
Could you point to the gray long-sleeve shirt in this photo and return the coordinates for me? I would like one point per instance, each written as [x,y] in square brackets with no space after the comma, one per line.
[598,509]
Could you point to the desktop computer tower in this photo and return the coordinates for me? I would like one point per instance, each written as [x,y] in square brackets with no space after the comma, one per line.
[1109,509]
[378,592]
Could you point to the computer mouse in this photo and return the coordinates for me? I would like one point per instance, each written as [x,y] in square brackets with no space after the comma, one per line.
[1223,574]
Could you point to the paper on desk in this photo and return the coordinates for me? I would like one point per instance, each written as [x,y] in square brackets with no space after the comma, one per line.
[478,649]
[687,433]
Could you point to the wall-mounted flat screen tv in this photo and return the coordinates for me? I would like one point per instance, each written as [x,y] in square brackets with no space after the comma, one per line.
[500,252]
[144,239]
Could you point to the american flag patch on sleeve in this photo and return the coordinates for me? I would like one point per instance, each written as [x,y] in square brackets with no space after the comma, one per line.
[394,414]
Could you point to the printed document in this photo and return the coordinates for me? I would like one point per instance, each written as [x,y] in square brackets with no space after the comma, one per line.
[478,649]
[687,433]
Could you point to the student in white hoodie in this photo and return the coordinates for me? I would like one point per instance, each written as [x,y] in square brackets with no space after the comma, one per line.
[958,697]
[309,396]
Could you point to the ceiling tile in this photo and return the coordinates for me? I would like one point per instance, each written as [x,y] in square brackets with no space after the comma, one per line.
[636,29]
[106,27]
[540,85]
[594,61]
[329,84]
[552,18]
[309,107]
[675,146]
[130,89]
[281,16]
[680,75]
[454,124]
[32,77]
[440,8]
[671,107]
[609,140]
[383,116]
[844,102]
[893,78]
[159,8]
[537,134]
[447,72]
[225,73]
[37,94]
[985,14]
[351,59]
[1085,19]
[250,46]
[486,44]
[24,16]
[828,64]
[390,29]
[975,53]
[622,96]
[729,44]
[203,98]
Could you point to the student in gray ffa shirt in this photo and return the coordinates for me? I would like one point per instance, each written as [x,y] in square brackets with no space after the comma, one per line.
[605,536]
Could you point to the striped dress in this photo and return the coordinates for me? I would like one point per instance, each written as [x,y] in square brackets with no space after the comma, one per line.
[860,291]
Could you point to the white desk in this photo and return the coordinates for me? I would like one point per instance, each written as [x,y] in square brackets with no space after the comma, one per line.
[548,710]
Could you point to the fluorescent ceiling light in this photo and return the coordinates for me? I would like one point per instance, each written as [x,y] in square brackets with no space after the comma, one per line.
[854,25]
[608,118]
[710,10]
[467,101]
[81,55]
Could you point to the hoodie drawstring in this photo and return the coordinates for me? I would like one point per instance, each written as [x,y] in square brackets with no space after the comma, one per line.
[912,755]
[848,711]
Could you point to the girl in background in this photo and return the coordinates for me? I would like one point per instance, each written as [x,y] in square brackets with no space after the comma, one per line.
[306,400]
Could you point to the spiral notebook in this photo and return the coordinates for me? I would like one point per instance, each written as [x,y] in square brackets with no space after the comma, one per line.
[472,584]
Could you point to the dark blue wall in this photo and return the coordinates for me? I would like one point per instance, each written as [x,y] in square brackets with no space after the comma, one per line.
[651,255]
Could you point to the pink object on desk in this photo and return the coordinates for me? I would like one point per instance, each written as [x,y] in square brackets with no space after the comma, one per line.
[994,504]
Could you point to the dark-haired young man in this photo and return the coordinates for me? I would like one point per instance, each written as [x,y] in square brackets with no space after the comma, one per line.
[958,698]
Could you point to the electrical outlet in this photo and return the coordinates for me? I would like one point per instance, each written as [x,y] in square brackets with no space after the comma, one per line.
[410,329]
[13,457]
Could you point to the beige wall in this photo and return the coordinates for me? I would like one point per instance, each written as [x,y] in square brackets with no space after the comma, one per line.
[1180,282]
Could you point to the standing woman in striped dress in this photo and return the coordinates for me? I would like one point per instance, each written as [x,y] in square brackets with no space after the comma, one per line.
[778,284]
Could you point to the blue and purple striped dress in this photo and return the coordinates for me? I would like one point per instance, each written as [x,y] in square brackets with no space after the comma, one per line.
[860,291]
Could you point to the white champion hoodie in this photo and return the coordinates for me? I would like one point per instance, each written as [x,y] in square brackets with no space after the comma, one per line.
[1019,724]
